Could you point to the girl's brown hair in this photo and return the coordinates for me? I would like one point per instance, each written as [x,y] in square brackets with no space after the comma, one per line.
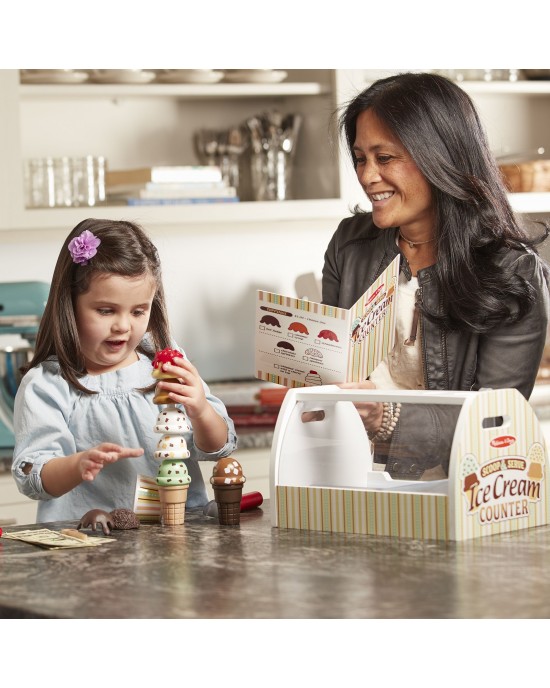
[124,250]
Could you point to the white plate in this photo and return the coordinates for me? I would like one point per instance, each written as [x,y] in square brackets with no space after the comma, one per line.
[255,76]
[54,76]
[190,76]
[122,76]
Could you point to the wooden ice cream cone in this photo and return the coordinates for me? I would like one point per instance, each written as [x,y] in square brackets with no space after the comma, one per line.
[228,499]
[172,501]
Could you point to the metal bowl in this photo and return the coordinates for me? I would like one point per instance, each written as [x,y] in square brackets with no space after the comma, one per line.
[11,359]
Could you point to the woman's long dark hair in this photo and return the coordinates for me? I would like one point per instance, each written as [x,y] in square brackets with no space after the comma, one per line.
[125,250]
[437,123]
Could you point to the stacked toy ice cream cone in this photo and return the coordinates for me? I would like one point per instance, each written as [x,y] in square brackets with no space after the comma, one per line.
[172,478]
[227,482]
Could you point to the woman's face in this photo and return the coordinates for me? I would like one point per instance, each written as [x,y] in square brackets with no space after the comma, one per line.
[399,193]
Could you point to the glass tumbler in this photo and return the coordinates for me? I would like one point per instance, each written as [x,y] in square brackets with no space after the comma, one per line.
[40,183]
[88,180]
[62,170]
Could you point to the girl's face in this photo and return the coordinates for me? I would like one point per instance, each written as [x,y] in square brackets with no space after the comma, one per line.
[399,193]
[112,317]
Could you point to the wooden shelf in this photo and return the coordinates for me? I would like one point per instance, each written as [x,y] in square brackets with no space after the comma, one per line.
[186,216]
[172,90]
[530,202]
[533,88]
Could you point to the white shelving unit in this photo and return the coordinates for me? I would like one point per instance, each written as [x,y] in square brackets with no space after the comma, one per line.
[186,91]
[125,122]
[136,125]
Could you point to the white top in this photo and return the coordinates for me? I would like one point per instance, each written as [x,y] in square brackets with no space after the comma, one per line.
[402,369]
[53,419]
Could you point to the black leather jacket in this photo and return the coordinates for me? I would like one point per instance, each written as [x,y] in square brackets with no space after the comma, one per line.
[508,356]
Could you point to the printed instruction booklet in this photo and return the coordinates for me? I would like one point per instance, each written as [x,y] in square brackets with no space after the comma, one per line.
[301,343]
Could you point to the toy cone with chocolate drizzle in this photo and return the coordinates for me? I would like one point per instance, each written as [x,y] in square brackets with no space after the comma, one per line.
[172,477]
[227,482]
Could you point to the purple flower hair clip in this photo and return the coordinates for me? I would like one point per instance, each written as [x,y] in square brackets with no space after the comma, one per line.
[83,247]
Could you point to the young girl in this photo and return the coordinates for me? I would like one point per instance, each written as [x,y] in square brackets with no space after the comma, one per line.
[84,411]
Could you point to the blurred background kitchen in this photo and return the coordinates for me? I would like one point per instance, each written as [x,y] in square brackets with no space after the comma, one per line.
[269,188]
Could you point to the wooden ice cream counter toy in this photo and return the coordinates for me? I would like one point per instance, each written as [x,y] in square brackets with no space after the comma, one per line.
[322,475]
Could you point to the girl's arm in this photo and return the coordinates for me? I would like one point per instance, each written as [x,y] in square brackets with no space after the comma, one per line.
[60,475]
[46,462]
[209,428]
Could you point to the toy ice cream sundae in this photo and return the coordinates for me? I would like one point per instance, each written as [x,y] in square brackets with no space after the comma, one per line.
[172,478]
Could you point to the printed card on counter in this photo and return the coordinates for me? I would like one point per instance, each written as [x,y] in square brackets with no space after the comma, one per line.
[300,343]
[53,539]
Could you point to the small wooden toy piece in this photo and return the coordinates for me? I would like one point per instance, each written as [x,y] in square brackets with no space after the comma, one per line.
[71,532]
[161,357]
[118,519]
[172,477]
[227,482]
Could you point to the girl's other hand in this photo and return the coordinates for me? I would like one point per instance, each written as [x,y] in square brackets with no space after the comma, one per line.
[93,460]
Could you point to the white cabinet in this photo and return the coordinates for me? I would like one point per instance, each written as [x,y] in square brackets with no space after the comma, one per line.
[138,125]
[15,508]
[153,124]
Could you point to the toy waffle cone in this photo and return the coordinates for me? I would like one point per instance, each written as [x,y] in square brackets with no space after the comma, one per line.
[228,499]
[172,502]
[161,395]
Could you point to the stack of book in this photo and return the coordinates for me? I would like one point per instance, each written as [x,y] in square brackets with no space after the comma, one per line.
[166,185]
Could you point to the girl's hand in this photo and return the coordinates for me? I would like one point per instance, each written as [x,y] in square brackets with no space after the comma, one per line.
[209,428]
[93,460]
[188,390]
[369,411]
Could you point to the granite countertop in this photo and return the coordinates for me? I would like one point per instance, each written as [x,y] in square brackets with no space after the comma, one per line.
[204,570]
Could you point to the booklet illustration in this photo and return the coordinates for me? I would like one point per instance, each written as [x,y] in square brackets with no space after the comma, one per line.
[300,343]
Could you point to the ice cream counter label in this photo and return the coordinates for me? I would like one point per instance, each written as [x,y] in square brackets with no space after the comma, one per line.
[303,343]
[497,482]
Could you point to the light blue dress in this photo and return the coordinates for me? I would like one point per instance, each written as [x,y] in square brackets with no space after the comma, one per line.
[53,419]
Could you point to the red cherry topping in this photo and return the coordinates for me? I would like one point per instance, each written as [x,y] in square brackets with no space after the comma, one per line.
[166,356]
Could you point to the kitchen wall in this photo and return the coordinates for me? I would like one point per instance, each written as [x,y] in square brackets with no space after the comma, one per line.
[210,274]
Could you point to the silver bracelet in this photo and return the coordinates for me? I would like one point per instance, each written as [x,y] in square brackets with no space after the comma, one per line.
[390,416]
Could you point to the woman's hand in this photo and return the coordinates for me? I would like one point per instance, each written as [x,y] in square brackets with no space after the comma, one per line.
[93,460]
[369,411]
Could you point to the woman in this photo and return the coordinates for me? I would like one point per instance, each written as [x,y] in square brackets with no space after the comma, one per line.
[473,296]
